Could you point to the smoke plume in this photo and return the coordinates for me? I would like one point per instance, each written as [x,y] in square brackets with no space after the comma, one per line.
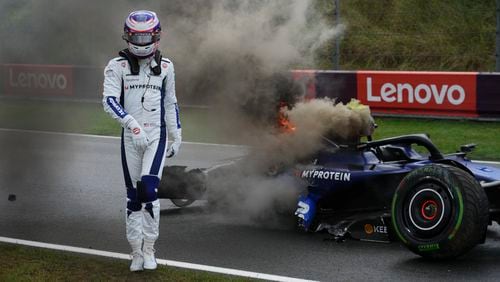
[264,183]
[223,50]
[315,124]
[231,55]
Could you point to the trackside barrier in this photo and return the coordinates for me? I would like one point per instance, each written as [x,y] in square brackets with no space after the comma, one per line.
[43,79]
[444,94]
[419,93]
[334,84]
[488,95]
[53,82]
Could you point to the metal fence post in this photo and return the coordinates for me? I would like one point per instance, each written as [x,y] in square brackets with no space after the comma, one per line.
[336,55]
[497,41]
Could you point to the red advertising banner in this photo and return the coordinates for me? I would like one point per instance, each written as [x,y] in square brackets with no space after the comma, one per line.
[34,80]
[307,78]
[419,93]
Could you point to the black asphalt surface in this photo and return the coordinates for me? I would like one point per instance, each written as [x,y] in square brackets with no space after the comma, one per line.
[69,190]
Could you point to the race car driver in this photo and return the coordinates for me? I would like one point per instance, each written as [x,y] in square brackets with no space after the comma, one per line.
[139,92]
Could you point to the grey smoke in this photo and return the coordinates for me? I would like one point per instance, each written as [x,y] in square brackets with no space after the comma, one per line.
[222,49]
[265,185]
[231,55]
[246,194]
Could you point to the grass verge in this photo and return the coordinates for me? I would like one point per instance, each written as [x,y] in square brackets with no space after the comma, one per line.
[198,125]
[204,125]
[448,135]
[20,263]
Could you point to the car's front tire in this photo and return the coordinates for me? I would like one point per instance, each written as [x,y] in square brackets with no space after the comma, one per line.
[440,211]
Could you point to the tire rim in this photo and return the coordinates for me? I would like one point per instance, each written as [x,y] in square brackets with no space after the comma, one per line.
[428,210]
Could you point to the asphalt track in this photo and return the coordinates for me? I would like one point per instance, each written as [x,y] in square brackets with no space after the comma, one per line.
[69,190]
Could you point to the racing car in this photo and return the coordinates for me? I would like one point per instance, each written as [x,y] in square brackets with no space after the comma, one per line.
[401,188]
[438,206]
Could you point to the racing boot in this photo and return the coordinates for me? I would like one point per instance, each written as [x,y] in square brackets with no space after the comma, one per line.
[149,255]
[137,257]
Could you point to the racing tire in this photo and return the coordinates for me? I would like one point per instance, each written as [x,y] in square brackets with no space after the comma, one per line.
[440,212]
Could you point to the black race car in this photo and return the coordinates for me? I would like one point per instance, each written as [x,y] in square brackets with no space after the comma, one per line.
[400,188]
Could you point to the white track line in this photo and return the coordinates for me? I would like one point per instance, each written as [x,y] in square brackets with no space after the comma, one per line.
[171,263]
[109,137]
[485,162]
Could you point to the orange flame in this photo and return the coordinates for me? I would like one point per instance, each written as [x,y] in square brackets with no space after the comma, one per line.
[283,123]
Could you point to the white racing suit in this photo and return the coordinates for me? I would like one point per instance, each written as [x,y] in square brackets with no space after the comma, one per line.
[150,100]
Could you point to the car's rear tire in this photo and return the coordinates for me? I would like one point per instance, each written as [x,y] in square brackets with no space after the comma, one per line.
[182,186]
[440,211]
[181,203]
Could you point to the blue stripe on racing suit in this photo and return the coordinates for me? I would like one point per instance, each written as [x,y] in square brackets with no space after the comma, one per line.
[126,173]
[177,116]
[115,106]
[132,204]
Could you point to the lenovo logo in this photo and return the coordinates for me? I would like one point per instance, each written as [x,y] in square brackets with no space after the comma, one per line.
[35,80]
[434,93]
[421,93]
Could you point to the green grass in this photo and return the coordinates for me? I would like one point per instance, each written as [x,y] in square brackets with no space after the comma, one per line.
[205,125]
[448,135]
[89,118]
[448,35]
[19,263]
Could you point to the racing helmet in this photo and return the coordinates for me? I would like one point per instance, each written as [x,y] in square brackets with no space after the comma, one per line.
[142,32]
